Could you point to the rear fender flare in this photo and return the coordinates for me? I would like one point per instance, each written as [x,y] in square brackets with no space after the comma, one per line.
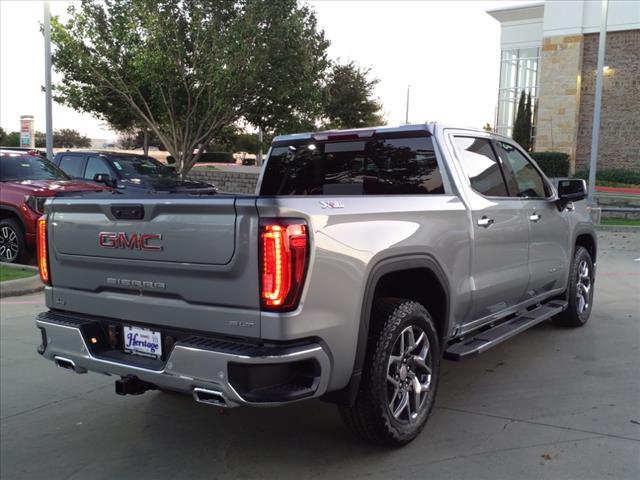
[387,265]
[14,211]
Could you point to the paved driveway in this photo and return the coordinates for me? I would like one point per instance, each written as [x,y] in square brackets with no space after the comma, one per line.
[550,403]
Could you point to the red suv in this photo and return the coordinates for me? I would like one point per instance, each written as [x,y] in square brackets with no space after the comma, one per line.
[26,181]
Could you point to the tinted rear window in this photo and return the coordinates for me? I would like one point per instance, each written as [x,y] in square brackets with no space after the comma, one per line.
[377,166]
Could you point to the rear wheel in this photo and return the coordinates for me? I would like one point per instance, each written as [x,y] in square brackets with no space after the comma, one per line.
[401,374]
[579,291]
[13,246]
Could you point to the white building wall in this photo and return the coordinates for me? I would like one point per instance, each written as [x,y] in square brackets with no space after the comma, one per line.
[523,34]
[526,25]
[622,15]
[572,17]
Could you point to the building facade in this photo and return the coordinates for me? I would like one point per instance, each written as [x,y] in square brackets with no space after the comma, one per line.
[550,50]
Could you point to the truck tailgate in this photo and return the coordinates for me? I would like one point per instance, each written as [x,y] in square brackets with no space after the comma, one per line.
[185,262]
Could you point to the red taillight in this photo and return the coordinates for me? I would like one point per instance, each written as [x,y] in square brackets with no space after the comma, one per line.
[284,255]
[43,254]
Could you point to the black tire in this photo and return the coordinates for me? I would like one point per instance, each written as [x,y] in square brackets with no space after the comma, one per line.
[580,287]
[13,245]
[371,416]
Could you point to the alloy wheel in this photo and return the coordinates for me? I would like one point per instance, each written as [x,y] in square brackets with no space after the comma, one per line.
[409,374]
[583,287]
[9,246]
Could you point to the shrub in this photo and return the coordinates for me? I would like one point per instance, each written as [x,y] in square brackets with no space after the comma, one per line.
[553,164]
[610,176]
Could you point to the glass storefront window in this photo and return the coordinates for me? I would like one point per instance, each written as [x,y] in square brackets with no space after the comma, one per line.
[518,72]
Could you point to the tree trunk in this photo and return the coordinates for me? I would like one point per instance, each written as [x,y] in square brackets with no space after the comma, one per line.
[259,156]
[145,146]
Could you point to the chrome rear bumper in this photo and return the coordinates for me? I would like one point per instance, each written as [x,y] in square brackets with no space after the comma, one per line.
[198,367]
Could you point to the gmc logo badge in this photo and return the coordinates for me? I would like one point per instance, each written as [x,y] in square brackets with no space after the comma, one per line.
[132,241]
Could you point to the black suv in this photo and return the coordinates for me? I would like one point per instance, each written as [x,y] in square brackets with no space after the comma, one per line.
[128,173]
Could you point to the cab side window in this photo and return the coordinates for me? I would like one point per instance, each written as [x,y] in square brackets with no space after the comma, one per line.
[522,177]
[96,165]
[481,166]
[72,165]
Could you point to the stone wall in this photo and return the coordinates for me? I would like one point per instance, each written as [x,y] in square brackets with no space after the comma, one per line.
[619,145]
[559,99]
[228,182]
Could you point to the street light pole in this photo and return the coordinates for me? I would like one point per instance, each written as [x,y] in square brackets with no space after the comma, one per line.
[595,132]
[47,80]
[406,118]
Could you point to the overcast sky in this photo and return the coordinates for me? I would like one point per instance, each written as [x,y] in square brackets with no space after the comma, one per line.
[447,51]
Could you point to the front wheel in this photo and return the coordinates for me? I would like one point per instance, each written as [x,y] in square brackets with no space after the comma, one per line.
[579,291]
[13,246]
[401,375]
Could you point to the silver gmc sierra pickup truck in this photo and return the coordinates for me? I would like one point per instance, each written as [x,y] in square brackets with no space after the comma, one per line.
[365,258]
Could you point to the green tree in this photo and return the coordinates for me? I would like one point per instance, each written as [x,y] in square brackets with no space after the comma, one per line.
[519,125]
[135,139]
[63,138]
[127,140]
[291,55]
[3,136]
[12,140]
[41,140]
[246,142]
[528,118]
[69,138]
[186,69]
[349,98]
[487,127]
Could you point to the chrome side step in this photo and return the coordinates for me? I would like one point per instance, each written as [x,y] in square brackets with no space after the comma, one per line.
[491,337]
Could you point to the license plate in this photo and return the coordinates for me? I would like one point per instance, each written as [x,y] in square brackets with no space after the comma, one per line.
[142,341]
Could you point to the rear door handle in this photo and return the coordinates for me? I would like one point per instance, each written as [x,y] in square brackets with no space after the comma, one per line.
[485,222]
[534,217]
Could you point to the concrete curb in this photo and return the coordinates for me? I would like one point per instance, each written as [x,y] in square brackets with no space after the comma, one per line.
[618,228]
[21,286]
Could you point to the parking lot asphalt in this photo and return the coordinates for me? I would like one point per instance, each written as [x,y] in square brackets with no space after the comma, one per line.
[550,403]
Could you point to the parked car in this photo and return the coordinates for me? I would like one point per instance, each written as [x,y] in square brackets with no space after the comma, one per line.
[367,257]
[26,182]
[128,173]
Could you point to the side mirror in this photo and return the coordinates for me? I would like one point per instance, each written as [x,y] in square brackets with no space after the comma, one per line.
[571,190]
[104,178]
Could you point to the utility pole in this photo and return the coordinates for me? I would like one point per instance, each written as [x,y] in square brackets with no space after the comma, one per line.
[595,132]
[406,118]
[47,80]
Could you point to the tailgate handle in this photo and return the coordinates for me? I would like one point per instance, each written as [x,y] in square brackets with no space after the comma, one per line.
[128,212]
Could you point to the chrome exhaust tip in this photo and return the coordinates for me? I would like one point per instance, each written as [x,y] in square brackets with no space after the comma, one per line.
[68,364]
[210,397]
